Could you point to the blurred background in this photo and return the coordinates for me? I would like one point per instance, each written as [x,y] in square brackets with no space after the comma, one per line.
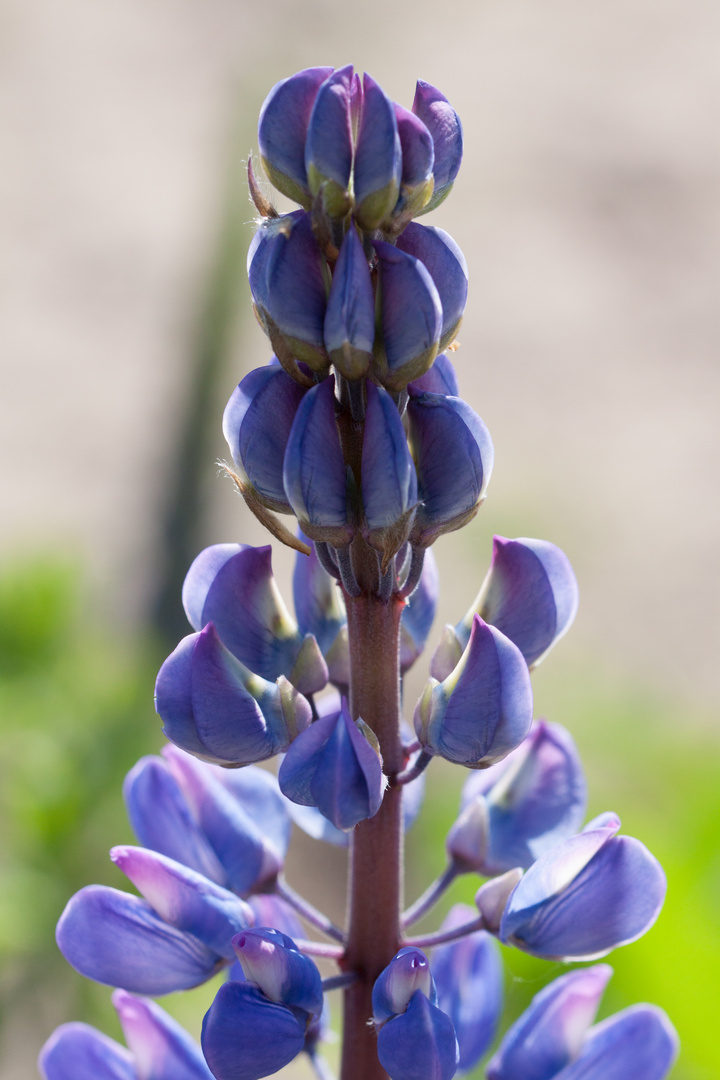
[587,207]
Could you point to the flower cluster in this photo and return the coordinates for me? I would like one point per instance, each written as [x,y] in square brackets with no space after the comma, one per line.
[355,428]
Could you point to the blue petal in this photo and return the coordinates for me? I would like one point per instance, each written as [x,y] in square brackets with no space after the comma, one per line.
[444,125]
[314,470]
[550,1033]
[296,289]
[273,911]
[258,793]
[454,455]
[328,146]
[410,315]
[318,601]
[80,1052]
[282,130]
[349,327]
[444,260]
[407,972]
[272,962]
[162,1049]
[587,896]
[469,980]
[535,798]
[389,484]
[161,818]
[440,379]
[232,586]
[418,156]
[118,939]
[245,1036]
[256,425]
[638,1043]
[418,1044]
[419,613]
[378,158]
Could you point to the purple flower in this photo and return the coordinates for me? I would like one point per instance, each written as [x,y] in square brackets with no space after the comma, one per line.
[553,1037]
[389,483]
[418,157]
[407,972]
[282,131]
[318,602]
[483,710]
[378,158]
[158,1048]
[440,379]
[524,805]
[445,262]
[585,896]
[214,707]
[232,586]
[254,1028]
[530,593]
[454,456]
[419,613]
[444,126]
[314,470]
[256,425]
[469,980]
[349,327]
[335,766]
[410,317]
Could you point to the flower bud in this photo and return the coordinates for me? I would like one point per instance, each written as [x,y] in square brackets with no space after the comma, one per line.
[493,895]
[349,328]
[418,613]
[185,899]
[318,601]
[407,972]
[271,962]
[418,157]
[445,262]
[118,939]
[469,980]
[467,841]
[378,158]
[530,593]
[212,706]
[335,766]
[533,799]
[550,1033]
[256,425]
[410,318]
[440,379]
[454,455]
[289,284]
[328,146]
[444,126]
[232,586]
[389,484]
[422,1034]
[314,473]
[586,896]
[282,131]
[483,710]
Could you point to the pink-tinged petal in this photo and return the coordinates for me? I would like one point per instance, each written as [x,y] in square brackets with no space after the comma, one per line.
[282,131]
[638,1043]
[551,1032]
[119,940]
[80,1052]
[162,1049]
[407,972]
[272,962]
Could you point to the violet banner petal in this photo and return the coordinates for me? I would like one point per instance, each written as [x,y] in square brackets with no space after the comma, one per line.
[161,819]
[444,260]
[282,131]
[378,158]
[80,1052]
[551,1032]
[407,972]
[162,1049]
[638,1043]
[272,962]
[246,1036]
[256,426]
[444,125]
[118,939]
[419,1044]
[469,979]
[535,798]
[185,899]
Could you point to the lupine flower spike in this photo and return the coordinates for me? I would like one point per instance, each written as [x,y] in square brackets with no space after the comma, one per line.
[355,430]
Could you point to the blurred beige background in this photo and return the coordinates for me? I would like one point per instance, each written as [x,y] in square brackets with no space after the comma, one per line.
[587,207]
